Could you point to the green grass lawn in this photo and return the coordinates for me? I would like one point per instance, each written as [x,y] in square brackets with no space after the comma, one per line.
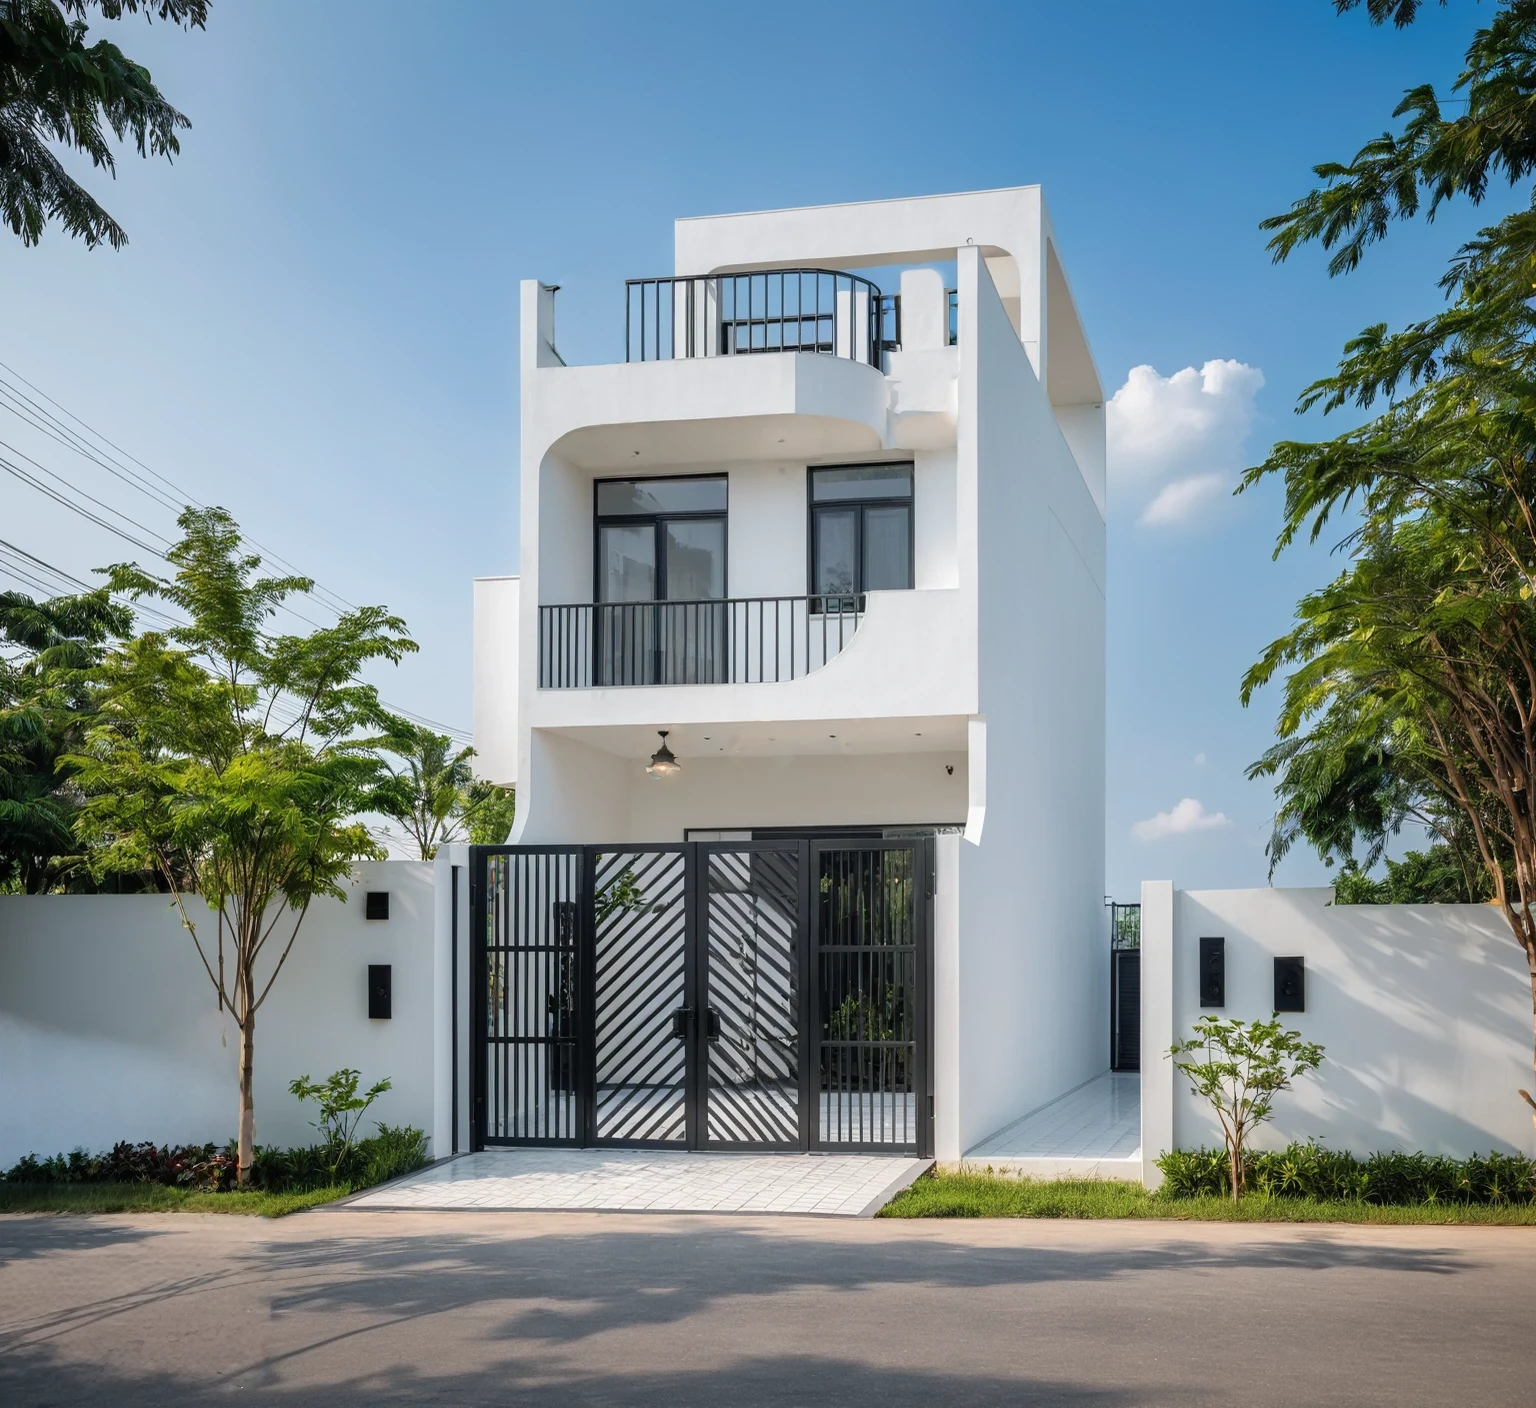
[982,1194]
[155,1197]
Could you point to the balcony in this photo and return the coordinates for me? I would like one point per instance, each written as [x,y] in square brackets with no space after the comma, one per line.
[768,310]
[742,640]
[774,310]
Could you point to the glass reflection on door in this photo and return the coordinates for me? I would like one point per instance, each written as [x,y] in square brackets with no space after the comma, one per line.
[626,629]
[694,640]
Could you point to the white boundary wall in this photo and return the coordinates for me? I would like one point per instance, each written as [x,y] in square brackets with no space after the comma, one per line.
[1424,1011]
[109,1028]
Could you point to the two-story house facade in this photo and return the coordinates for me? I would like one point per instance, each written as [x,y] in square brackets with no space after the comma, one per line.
[841,536]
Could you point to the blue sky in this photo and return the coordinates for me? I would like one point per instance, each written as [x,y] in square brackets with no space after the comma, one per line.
[315,321]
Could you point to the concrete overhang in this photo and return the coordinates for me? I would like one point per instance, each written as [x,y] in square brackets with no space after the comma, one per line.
[824,738]
[703,410]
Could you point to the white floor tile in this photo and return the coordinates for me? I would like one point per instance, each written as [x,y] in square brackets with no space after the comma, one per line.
[637,1181]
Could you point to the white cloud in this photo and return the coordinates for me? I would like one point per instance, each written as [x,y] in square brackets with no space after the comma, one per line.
[1187,816]
[1199,760]
[1182,434]
[1183,499]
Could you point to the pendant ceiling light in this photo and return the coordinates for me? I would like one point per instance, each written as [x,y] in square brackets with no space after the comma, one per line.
[663,764]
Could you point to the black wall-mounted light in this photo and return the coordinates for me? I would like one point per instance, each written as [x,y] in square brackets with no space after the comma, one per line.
[1213,972]
[1290,984]
[380,990]
[663,763]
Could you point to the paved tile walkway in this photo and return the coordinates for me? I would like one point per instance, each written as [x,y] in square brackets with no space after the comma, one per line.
[615,1180]
[1093,1129]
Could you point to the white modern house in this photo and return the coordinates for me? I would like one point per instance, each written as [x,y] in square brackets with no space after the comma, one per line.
[836,526]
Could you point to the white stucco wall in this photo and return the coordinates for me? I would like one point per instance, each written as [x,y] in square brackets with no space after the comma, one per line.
[601,797]
[1424,1012]
[1033,973]
[496,628]
[109,1029]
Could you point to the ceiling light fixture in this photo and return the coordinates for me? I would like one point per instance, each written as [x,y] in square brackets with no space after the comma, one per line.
[663,763]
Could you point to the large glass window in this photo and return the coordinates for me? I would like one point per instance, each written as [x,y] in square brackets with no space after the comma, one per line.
[660,581]
[661,539]
[861,529]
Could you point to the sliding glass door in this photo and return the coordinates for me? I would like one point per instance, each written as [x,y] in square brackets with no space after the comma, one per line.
[661,581]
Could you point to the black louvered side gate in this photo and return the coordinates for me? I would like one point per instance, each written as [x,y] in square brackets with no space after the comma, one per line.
[708,995]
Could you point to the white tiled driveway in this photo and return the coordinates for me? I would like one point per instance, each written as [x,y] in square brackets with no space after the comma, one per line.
[1093,1131]
[614,1180]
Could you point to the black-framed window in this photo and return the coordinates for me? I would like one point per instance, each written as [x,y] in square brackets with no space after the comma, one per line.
[660,539]
[860,529]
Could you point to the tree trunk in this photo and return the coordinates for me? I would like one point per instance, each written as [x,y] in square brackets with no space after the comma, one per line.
[1530,963]
[1529,949]
[247,1090]
[1235,1160]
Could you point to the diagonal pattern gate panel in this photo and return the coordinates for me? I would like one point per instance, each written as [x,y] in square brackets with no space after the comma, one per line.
[753,952]
[640,985]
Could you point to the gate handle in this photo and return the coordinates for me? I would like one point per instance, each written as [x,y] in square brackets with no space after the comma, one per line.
[682,1018]
[711,1025]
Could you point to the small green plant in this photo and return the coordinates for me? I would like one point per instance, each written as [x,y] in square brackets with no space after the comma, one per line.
[623,894]
[341,1109]
[1242,1066]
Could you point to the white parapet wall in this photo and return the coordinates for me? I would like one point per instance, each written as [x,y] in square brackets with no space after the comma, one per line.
[1424,1012]
[109,1028]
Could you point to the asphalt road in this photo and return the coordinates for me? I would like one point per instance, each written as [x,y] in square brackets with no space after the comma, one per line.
[470,1308]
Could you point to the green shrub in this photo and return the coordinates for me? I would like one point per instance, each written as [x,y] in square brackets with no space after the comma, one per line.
[1388,1179]
[394,1150]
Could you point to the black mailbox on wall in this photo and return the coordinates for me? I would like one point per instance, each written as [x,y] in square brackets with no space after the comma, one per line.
[380,989]
[1213,972]
[376,905]
[1290,985]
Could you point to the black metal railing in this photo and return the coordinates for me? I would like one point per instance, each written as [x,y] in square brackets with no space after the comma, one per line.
[743,640]
[732,315]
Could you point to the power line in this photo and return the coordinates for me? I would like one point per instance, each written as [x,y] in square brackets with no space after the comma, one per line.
[30,479]
[30,565]
[31,413]
[66,436]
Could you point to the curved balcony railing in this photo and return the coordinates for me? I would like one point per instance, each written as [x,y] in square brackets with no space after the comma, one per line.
[773,310]
[740,640]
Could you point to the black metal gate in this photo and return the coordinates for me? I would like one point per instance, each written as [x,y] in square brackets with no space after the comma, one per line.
[707,995]
[1125,987]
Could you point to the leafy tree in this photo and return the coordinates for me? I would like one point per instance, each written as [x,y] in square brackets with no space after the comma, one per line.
[1413,691]
[1432,876]
[429,792]
[489,811]
[56,88]
[1354,780]
[1434,158]
[47,651]
[235,760]
[1242,1066]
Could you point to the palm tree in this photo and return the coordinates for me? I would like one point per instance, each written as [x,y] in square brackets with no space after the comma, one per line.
[430,789]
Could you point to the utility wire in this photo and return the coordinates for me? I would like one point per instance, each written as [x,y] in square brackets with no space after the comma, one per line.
[69,438]
[37,416]
[31,479]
